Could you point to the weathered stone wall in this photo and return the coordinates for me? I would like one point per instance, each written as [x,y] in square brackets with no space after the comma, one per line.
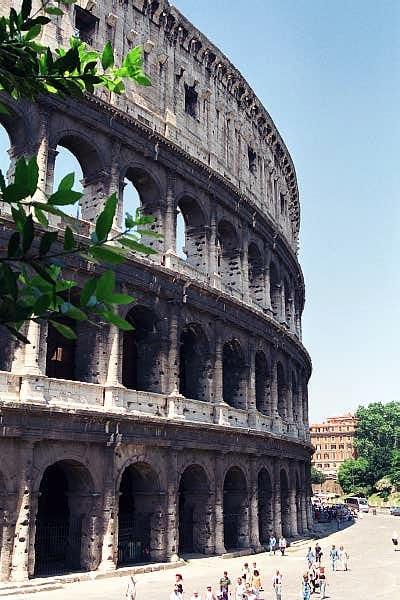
[207,400]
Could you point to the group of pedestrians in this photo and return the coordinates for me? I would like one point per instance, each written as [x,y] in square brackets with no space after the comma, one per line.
[273,545]
[315,578]
[248,586]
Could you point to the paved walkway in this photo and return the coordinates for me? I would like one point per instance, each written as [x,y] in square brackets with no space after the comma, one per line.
[374,571]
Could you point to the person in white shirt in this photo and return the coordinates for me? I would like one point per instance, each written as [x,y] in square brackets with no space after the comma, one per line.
[239,589]
[209,595]
[249,592]
[246,572]
[175,594]
[277,584]
[195,596]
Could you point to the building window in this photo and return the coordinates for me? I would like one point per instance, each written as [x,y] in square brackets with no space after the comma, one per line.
[191,101]
[85,25]
[252,160]
[341,446]
[333,446]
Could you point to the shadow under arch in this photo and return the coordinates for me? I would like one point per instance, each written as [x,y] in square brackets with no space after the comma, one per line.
[194,234]
[141,351]
[63,518]
[194,511]
[193,356]
[140,511]
[233,374]
[235,509]
[265,507]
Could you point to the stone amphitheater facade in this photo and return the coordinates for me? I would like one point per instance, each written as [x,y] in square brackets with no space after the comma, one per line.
[191,433]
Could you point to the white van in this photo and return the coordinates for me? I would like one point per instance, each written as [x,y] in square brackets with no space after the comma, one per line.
[357,503]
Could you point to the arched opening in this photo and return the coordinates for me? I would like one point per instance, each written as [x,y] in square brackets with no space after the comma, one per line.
[191,246]
[233,375]
[275,292]
[139,505]
[256,274]
[64,505]
[265,521]
[194,511]
[76,154]
[61,352]
[263,387]
[193,363]
[5,145]
[228,255]
[282,389]
[285,504]
[235,510]
[66,162]
[142,192]
[141,349]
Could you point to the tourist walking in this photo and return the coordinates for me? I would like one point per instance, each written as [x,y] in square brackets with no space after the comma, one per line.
[310,556]
[333,555]
[272,544]
[322,581]
[239,589]
[224,584]
[282,545]
[395,540]
[175,594]
[249,593]
[313,577]
[277,584]
[246,576]
[318,553]
[179,582]
[305,587]
[209,595]
[343,557]
[130,593]
[256,582]
[195,596]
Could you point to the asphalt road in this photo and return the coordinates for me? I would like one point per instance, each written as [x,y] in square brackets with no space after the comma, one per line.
[374,571]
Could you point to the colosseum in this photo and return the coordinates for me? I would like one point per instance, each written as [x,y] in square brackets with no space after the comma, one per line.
[189,434]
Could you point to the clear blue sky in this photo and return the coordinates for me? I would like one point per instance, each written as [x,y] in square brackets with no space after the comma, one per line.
[329,75]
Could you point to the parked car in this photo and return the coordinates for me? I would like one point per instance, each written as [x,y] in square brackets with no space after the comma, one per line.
[395,510]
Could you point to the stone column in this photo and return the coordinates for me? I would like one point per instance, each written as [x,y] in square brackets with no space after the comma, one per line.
[170,381]
[6,537]
[171,525]
[245,266]
[35,352]
[310,523]
[267,281]
[170,215]
[289,402]
[253,506]
[282,316]
[277,516]
[292,500]
[112,393]
[219,505]
[109,547]
[275,416]
[25,517]
[303,498]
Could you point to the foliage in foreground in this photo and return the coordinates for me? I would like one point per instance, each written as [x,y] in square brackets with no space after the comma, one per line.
[32,285]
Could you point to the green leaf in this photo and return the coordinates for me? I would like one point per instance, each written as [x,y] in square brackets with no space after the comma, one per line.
[107,255]
[106,218]
[107,58]
[105,285]
[111,317]
[27,234]
[129,221]
[136,246]
[13,244]
[120,299]
[41,217]
[72,311]
[4,110]
[66,182]
[88,292]
[33,33]
[69,241]
[141,79]
[53,10]
[65,331]
[26,9]
[64,197]
[32,175]
[46,242]
[19,216]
